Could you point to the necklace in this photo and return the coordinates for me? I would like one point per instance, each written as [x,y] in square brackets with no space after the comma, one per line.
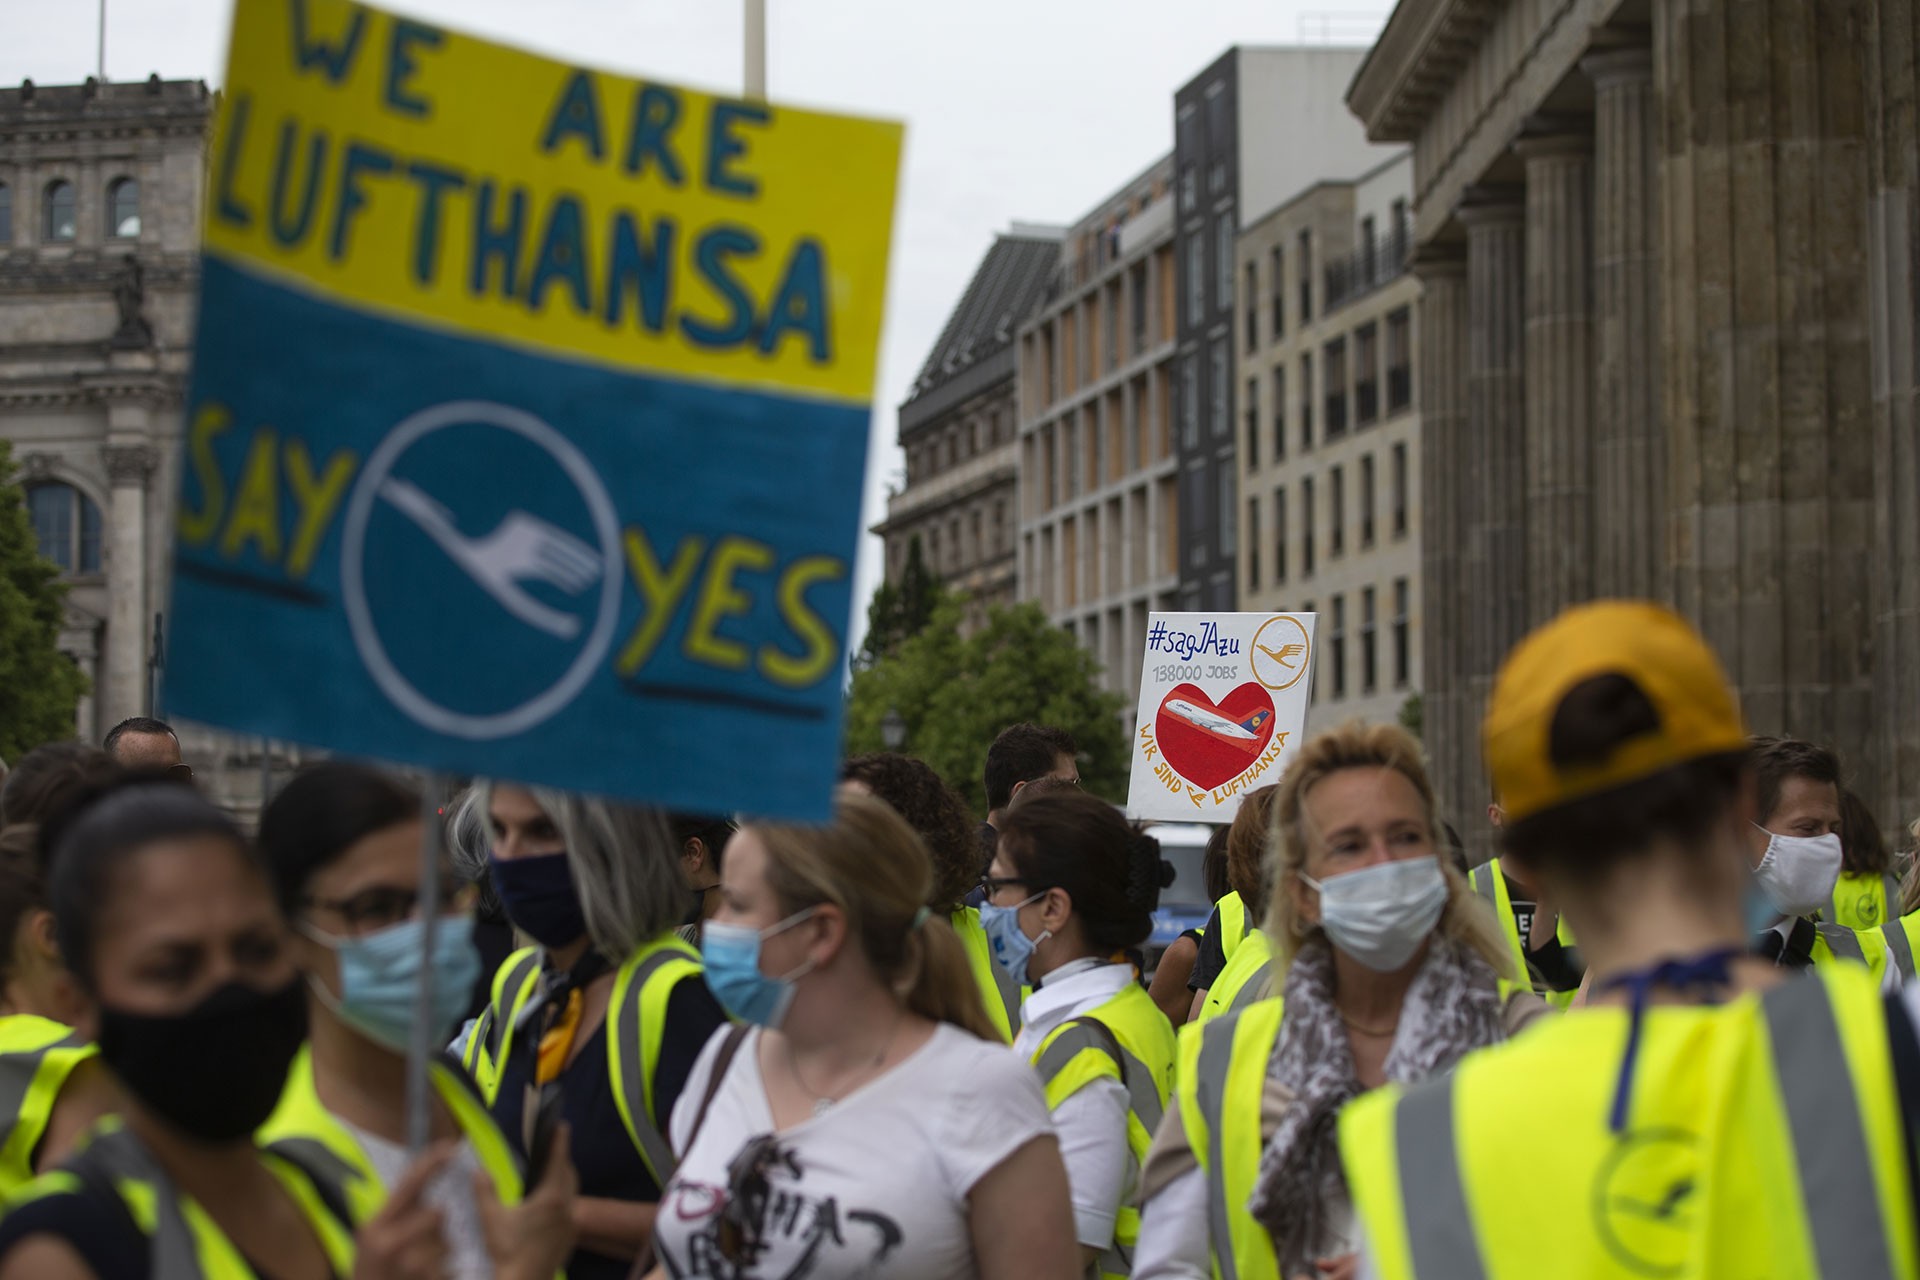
[824,1102]
[1378,1033]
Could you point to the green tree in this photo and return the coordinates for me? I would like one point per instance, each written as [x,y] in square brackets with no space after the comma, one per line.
[901,610]
[39,685]
[956,695]
[1413,715]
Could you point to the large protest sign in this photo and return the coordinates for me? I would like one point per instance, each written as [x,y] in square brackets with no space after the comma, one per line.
[1223,704]
[528,424]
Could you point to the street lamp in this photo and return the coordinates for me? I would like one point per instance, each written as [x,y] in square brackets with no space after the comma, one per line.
[893,729]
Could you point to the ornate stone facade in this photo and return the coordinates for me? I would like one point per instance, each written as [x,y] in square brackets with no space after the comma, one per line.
[1674,273]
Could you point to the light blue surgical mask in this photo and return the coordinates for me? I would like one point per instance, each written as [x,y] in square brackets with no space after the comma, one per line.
[1379,915]
[1012,948]
[380,978]
[730,954]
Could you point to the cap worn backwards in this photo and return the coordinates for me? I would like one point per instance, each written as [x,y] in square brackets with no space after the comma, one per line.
[1644,643]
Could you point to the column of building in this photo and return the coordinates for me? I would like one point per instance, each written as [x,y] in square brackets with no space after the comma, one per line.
[1629,445]
[1449,726]
[129,468]
[1768,397]
[1559,371]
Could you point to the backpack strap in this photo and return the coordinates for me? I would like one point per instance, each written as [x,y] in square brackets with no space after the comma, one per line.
[722,1063]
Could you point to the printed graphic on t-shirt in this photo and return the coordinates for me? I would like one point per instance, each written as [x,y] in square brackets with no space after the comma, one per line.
[782,1233]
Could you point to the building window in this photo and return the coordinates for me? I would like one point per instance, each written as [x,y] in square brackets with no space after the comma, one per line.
[123,209]
[1253,544]
[1335,372]
[61,222]
[1253,424]
[1050,460]
[1218,399]
[1223,261]
[1110,326]
[6,214]
[1196,279]
[1399,360]
[1229,508]
[1219,136]
[1366,502]
[1368,251]
[1304,268]
[1071,463]
[66,524]
[999,526]
[1337,508]
[1402,659]
[1366,374]
[1369,651]
[1277,290]
[1251,303]
[1195,501]
[1397,247]
[1139,290]
[1189,189]
[1189,403]
[1306,527]
[1050,353]
[1306,402]
[1279,413]
[1400,491]
[1279,536]
[1339,639]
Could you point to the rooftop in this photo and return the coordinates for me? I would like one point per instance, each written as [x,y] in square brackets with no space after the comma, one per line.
[28,103]
[1005,288]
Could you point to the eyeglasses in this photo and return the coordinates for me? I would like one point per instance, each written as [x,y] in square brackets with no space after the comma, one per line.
[384,906]
[991,885]
[738,1233]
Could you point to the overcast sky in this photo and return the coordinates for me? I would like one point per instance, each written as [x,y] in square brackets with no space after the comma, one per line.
[1015,109]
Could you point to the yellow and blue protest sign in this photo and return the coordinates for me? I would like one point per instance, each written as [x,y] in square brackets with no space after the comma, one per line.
[529,415]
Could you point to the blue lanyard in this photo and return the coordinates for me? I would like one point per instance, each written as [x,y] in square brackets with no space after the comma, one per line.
[1709,970]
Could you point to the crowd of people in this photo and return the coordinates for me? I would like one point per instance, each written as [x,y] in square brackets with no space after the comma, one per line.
[1666,1031]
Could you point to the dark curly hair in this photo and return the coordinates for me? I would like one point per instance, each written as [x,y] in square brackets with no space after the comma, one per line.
[914,791]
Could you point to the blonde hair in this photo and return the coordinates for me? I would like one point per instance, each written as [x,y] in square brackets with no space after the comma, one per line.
[1466,920]
[869,863]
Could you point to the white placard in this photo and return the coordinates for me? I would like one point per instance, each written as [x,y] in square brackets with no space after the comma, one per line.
[1223,705]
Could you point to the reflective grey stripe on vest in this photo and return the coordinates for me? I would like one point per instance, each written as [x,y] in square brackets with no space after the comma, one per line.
[117,1155]
[1482,877]
[1830,1148]
[334,1176]
[1842,941]
[1143,1097]
[1009,993]
[1254,989]
[626,1025]
[1898,947]
[1439,1231]
[1210,1091]
[502,1027]
[17,1074]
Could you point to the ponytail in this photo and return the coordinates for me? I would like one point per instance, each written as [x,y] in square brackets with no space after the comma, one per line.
[869,863]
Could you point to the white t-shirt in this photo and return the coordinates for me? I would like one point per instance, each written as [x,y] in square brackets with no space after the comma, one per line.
[451,1193]
[876,1186]
[1092,1121]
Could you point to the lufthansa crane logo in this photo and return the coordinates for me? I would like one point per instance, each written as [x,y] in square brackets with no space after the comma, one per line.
[1281,650]
[488,505]
[1645,1202]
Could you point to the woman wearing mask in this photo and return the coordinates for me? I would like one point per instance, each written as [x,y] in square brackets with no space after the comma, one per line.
[939,816]
[50,1074]
[343,841]
[609,1006]
[169,925]
[1388,967]
[864,1122]
[1071,888]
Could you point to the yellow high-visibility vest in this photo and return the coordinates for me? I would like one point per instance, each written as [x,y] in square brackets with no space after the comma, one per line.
[1219,1081]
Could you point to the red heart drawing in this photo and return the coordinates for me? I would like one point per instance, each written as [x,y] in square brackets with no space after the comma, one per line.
[1210,743]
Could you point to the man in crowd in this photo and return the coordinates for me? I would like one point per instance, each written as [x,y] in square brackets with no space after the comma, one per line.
[1795,842]
[1020,755]
[142,742]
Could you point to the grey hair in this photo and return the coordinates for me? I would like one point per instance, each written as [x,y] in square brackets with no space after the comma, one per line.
[625,864]
[468,843]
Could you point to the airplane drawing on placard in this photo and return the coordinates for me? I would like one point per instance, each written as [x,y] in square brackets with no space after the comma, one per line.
[523,548]
[1245,734]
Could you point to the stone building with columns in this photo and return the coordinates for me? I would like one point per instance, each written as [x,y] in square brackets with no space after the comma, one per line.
[100,202]
[1667,346]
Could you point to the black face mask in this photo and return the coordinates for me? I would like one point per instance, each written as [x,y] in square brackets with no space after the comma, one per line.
[215,1072]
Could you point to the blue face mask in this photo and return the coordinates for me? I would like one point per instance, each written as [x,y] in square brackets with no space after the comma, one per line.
[1012,948]
[540,899]
[731,956]
[380,976]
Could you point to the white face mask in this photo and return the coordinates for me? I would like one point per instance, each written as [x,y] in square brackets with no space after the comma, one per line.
[1799,872]
[1380,915]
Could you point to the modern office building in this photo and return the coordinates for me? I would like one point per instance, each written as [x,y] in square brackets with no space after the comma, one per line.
[1099,543]
[100,199]
[959,431]
[1668,347]
[1250,131]
[1329,442]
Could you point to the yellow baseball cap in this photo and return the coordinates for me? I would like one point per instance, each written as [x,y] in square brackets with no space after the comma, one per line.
[1650,645]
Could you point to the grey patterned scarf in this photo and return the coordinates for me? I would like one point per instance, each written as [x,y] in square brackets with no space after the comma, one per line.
[1452,1007]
